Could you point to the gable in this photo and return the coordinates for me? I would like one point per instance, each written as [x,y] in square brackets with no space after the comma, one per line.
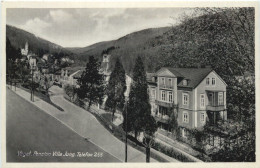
[220,83]
[165,72]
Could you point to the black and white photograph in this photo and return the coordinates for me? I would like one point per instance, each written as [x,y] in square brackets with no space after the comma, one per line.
[129,84]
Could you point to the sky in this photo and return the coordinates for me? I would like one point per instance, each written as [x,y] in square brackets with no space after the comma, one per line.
[77,27]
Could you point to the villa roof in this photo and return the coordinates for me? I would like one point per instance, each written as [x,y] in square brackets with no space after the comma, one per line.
[193,75]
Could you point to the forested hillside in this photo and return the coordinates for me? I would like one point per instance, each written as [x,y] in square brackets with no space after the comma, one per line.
[141,43]
[19,37]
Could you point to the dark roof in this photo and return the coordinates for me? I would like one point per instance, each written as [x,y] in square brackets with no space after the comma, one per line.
[193,75]
[175,72]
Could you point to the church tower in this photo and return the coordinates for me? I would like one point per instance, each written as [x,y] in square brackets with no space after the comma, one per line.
[106,59]
[25,50]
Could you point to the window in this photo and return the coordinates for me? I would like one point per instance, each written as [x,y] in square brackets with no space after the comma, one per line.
[185,82]
[185,117]
[213,81]
[163,81]
[202,117]
[153,93]
[170,82]
[207,81]
[202,100]
[220,98]
[170,97]
[185,99]
[163,96]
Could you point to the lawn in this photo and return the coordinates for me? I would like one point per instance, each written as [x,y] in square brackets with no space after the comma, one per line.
[108,116]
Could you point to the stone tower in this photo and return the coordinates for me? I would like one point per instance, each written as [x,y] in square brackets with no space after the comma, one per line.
[25,50]
[106,59]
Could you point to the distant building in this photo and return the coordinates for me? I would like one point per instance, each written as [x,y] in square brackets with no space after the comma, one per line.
[129,81]
[46,57]
[105,68]
[25,50]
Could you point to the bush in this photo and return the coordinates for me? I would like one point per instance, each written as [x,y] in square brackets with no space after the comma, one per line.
[171,152]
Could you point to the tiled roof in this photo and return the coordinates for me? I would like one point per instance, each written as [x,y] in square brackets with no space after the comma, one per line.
[193,75]
[175,72]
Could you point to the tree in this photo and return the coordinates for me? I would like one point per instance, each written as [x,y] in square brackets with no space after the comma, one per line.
[46,82]
[139,107]
[116,89]
[150,128]
[70,90]
[91,83]
[24,72]
[173,120]
[11,55]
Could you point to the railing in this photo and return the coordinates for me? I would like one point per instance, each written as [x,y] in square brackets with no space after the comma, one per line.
[163,119]
[165,87]
[164,104]
[215,108]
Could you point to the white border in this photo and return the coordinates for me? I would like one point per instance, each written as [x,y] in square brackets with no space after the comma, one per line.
[120,4]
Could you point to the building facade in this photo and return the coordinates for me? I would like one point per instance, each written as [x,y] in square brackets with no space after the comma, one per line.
[198,94]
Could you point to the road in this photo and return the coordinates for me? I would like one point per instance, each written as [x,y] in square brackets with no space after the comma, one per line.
[33,132]
[87,125]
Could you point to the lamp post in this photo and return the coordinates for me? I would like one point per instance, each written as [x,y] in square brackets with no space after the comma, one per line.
[32,84]
[126,129]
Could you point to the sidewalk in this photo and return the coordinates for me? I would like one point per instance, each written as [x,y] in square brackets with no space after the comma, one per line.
[86,125]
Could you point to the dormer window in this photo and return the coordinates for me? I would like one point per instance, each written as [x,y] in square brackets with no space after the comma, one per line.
[185,82]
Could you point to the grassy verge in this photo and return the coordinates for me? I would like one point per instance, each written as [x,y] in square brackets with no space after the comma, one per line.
[41,95]
[108,116]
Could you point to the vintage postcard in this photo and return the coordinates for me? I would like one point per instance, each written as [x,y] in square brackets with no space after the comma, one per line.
[153,84]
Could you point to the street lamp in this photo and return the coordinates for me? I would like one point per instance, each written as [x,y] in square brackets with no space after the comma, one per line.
[32,84]
[126,129]
[33,66]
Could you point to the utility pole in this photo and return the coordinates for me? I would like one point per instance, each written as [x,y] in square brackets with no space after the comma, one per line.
[32,85]
[126,131]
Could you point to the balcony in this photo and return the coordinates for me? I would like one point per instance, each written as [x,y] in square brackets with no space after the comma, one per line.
[161,118]
[215,108]
[164,104]
[161,86]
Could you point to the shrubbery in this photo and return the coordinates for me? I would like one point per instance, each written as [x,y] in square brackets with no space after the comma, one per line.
[171,152]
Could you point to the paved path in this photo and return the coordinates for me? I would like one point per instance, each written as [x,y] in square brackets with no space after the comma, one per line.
[33,132]
[86,125]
